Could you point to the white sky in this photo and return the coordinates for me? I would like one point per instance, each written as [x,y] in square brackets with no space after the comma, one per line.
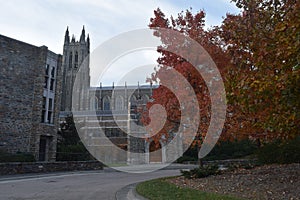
[44,22]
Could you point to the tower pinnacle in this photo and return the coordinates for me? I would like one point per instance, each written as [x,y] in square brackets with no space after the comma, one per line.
[82,37]
[67,37]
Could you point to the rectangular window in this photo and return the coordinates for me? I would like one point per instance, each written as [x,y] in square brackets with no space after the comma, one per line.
[46,82]
[44,102]
[50,117]
[50,104]
[43,119]
[53,72]
[51,84]
[47,70]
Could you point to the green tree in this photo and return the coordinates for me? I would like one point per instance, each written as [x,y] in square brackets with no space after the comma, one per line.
[70,147]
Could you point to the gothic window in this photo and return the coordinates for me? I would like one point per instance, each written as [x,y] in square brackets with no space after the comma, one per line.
[70,60]
[145,99]
[76,59]
[94,103]
[119,103]
[106,103]
[82,55]
[133,100]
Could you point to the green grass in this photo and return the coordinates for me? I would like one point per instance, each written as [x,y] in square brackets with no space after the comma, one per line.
[159,189]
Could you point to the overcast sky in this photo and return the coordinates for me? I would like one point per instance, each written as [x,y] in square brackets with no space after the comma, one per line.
[44,22]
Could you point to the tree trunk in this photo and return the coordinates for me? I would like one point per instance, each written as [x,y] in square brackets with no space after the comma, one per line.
[200,162]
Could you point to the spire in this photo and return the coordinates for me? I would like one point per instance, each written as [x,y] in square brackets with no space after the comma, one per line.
[82,37]
[73,38]
[67,37]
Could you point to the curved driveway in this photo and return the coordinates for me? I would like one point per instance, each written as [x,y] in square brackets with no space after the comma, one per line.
[93,185]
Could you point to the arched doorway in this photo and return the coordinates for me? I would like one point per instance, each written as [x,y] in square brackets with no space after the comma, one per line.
[155,152]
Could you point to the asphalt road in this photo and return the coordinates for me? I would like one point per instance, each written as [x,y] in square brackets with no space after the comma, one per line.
[95,185]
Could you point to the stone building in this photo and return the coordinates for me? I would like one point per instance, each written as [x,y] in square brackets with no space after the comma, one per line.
[109,116]
[29,98]
[39,88]
[75,53]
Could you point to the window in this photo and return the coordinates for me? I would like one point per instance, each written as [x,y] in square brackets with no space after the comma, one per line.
[70,60]
[76,59]
[47,69]
[43,116]
[52,84]
[119,103]
[94,103]
[50,105]
[145,99]
[133,100]
[49,117]
[44,102]
[46,82]
[49,92]
[106,103]
[53,72]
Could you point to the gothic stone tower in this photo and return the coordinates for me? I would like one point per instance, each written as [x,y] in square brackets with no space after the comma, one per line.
[74,54]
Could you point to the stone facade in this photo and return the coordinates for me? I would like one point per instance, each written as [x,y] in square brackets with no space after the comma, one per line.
[75,55]
[109,116]
[39,88]
[29,98]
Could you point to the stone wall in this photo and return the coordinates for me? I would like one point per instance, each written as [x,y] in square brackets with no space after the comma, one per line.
[43,167]
[22,76]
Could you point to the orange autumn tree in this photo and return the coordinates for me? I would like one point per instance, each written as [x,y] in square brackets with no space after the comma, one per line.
[191,25]
[264,86]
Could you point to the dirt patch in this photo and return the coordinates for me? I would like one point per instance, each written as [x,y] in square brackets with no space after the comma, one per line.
[264,182]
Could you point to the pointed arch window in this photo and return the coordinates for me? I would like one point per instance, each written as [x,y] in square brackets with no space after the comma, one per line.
[76,59]
[70,60]
[106,103]
[119,103]
[94,103]
[145,99]
[133,100]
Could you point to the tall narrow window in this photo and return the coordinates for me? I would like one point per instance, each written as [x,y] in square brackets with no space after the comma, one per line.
[49,117]
[94,103]
[106,103]
[53,72]
[52,81]
[47,70]
[70,60]
[119,103]
[46,82]
[50,105]
[76,59]
[43,119]
[44,102]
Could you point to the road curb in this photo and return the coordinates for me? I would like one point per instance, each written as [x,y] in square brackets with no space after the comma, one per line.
[129,193]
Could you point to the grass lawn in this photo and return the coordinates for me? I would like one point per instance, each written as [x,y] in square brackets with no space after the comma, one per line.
[162,190]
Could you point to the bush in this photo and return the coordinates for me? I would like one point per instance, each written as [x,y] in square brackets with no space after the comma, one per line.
[280,152]
[184,158]
[18,157]
[232,149]
[201,172]
[76,152]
